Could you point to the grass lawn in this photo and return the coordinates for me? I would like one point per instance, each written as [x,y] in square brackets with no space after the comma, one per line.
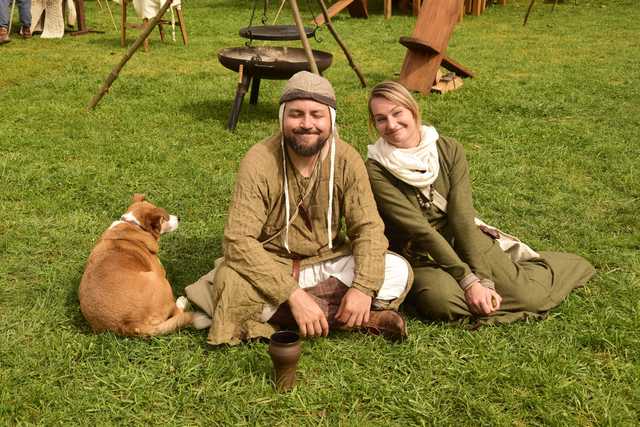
[550,125]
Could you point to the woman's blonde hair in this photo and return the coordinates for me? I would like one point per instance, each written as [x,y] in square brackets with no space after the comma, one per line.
[396,93]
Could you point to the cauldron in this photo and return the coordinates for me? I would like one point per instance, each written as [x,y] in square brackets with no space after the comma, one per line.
[274,32]
[273,63]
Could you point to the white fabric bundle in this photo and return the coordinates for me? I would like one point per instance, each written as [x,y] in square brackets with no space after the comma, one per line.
[47,16]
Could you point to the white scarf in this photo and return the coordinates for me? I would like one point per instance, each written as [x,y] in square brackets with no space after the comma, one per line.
[418,166]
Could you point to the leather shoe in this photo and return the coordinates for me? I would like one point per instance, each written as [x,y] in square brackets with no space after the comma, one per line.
[388,323]
[25,32]
[4,35]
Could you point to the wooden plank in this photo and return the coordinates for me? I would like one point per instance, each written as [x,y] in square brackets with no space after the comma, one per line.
[452,65]
[436,21]
[419,70]
[333,10]
[416,7]
[476,8]
[447,83]
[468,4]
[416,44]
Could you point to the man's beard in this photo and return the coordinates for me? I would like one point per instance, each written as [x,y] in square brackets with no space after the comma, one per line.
[304,150]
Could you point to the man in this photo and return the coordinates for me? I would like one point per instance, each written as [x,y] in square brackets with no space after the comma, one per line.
[24,9]
[285,261]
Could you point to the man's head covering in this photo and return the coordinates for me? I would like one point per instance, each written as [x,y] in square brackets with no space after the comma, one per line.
[306,85]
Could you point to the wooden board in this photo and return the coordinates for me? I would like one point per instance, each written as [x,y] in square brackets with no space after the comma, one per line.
[446,83]
[357,9]
[452,65]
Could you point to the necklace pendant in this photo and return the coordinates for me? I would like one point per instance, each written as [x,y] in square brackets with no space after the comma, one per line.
[305,217]
[423,201]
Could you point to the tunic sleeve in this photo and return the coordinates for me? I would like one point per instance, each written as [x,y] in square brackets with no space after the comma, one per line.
[404,216]
[460,216]
[242,250]
[364,228]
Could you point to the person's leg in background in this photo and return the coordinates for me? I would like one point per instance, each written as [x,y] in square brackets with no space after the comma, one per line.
[24,9]
[5,10]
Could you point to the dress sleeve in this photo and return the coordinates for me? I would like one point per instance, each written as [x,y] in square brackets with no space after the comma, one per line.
[364,228]
[396,208]
[242,250]
[468,240]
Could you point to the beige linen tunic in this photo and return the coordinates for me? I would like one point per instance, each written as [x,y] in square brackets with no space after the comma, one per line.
[254,274]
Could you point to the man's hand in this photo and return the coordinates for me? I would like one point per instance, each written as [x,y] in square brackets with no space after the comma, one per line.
[308,315]
[354,308]
[481,300]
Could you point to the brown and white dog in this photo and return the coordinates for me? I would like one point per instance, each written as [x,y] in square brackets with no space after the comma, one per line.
[124,288]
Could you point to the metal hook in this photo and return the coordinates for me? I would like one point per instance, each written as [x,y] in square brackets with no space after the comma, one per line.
[265,18]
[250,41]
[315,34]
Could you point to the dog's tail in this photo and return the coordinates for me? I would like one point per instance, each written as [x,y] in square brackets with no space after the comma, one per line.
[179,319]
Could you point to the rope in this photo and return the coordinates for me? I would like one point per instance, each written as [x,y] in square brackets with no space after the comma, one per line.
[253,12]
[265,18]
[111,14]
[13,6]
[278,13]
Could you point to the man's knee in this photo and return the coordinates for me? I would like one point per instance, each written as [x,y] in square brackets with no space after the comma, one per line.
[200,293]
[396,277]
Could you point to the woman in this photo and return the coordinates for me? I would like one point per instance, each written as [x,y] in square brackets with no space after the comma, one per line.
[421,184]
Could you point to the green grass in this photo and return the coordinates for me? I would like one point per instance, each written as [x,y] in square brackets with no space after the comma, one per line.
[550,125]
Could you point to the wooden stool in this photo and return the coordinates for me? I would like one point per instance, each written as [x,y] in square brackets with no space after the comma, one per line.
[428,44]
[145,21]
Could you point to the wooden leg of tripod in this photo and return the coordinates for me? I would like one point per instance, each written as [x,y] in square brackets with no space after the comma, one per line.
[333,32]
[303,36]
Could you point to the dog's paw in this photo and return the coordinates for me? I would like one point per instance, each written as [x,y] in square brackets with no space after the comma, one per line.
[201,320]
[182,303]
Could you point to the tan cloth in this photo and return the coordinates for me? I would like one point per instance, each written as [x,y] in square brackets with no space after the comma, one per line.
[47,16]
[327,294]
[149,8]
[253,274]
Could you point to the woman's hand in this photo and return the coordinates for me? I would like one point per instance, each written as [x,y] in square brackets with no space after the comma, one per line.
[481,300]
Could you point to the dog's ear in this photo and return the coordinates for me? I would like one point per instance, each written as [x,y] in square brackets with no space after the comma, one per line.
[138,197]
[155,219]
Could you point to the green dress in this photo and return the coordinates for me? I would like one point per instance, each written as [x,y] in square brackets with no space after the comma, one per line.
[445,248]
